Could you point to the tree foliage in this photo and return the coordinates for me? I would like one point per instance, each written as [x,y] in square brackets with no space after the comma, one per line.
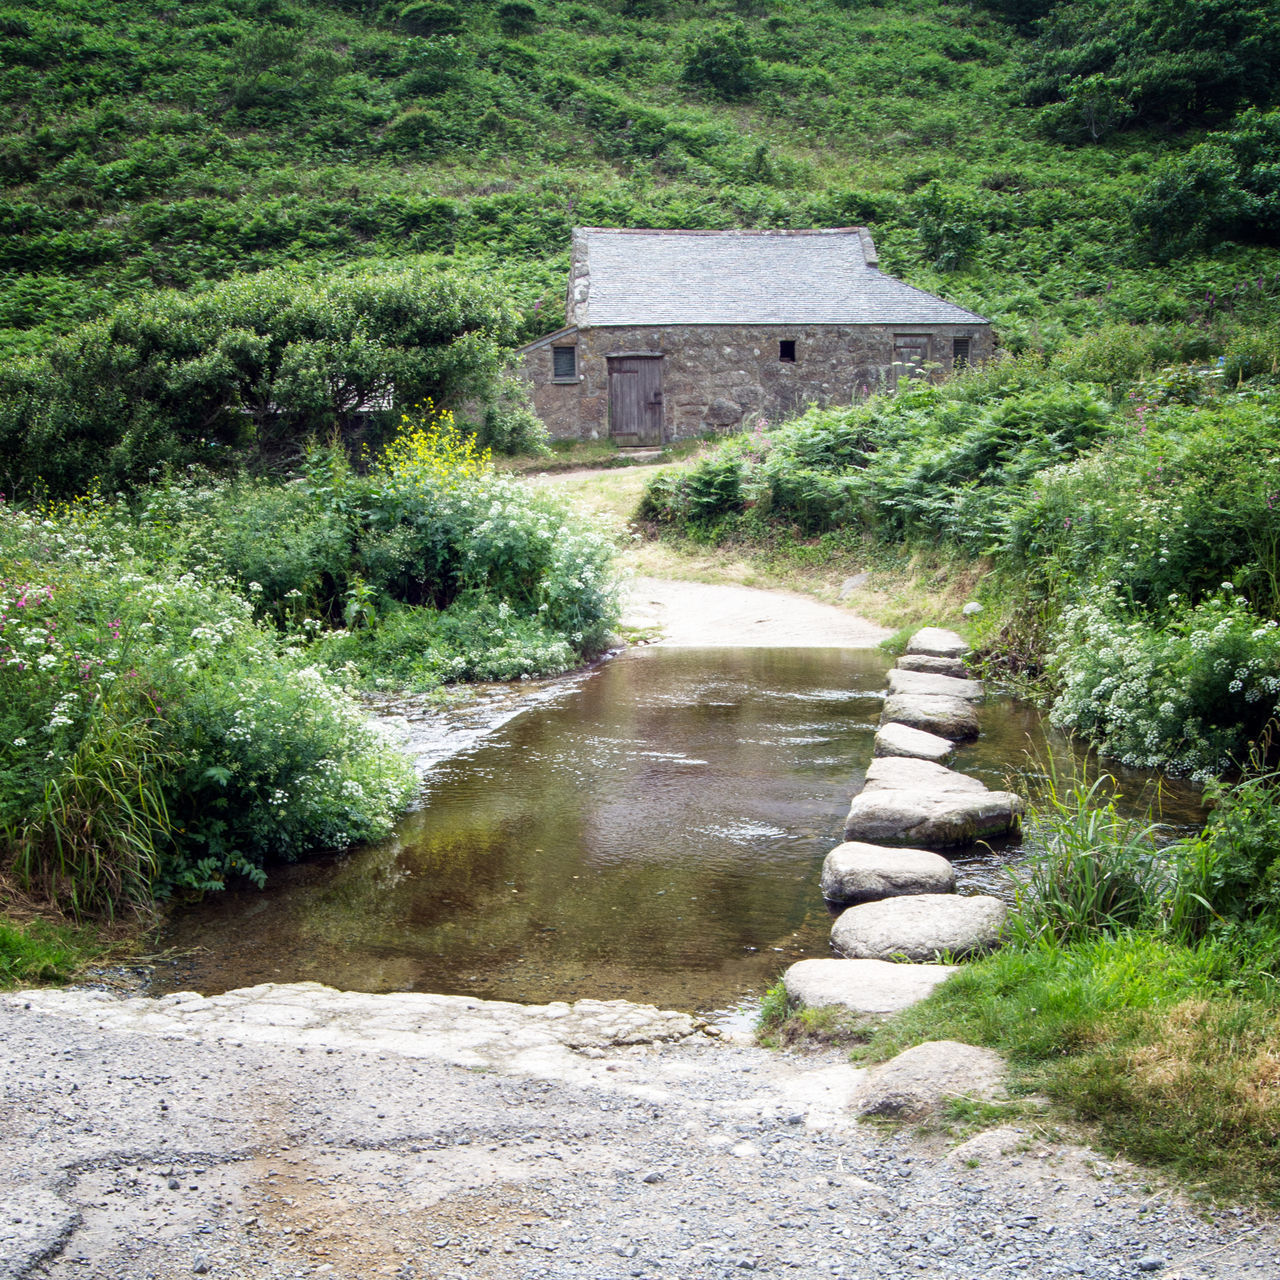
[1105,65]
[253,366]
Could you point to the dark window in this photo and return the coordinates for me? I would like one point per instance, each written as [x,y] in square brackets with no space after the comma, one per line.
[564,364]
[961,354]
[787,351]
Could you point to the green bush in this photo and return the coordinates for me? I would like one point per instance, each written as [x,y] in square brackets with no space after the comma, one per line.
[721,63]
[1188,695]
[153,737]
[255,367]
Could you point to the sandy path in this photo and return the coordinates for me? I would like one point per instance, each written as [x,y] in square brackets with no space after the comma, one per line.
[704,615]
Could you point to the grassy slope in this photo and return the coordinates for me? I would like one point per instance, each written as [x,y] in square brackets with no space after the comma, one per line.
[145,145]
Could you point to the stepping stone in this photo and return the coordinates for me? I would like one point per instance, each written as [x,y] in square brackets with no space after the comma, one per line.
[854,872]
[918,1079]
[916,802]
[902,740]
[948,717]
[925,682]
[864,986]
[936,642]
[906,773]
[920,927]
[934,666]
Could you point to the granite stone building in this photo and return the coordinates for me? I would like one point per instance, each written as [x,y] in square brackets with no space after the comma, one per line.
[676,333]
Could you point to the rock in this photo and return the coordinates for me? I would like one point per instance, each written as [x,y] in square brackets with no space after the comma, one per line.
[864,986]
[920,927]
[931,822]
[915,802]
[930,684]
[854,583]
[912,1084]
[723,413]
[937,643]
[935,666]
[907,773]
[952,718]
[902,740]
[201,1265]
[972,609]
[855,872]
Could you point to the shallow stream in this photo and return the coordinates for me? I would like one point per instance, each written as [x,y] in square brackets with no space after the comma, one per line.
[650,830]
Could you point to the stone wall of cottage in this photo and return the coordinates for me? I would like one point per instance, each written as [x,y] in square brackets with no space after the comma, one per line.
[728,377]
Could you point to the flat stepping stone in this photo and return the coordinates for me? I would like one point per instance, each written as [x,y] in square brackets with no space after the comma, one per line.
[926,682]
[862,986]
[907,773]
[934,666]
[948,717]
[902,740]
[911,1085]
[855,872]
[921,927]
[937,642]
[925,815]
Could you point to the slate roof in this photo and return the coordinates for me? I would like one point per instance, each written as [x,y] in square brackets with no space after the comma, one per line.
[630,277]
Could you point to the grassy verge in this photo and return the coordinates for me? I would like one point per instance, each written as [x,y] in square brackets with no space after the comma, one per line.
[1167,1052]
[36,950]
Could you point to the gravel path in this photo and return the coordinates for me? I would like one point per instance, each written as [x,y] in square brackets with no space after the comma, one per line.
[303,1132]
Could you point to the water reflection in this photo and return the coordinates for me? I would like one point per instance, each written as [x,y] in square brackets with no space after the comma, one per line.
[651,830]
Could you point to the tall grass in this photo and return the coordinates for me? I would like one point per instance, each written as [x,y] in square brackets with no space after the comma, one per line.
[1097,871]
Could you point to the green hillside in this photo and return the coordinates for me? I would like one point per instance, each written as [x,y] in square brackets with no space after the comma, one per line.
[148,145]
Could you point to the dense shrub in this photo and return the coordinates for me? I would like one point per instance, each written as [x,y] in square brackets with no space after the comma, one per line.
[251,368]
[1110,64]
[153,737]
[1224,188]
[1190,695]
[722,64]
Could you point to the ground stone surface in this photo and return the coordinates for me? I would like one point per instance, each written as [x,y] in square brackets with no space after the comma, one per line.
[855,872]
[902,740]
[952,718]
[863,986]
[937,642]
[921,927]
[931,685]
[162,1148]
[912,1084]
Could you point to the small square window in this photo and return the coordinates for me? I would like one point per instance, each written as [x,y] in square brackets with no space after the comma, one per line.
[787,351]
[564,364]
[960,353]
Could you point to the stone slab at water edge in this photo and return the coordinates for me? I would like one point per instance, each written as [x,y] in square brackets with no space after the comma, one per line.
[917,802]
[862,986]
[934,666]
[918,1079]
[901,740]
[936,642]
[945,716]
[926,682]
[854,872]
[922,927]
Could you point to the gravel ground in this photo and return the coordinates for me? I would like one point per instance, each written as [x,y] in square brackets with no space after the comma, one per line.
[161,1139]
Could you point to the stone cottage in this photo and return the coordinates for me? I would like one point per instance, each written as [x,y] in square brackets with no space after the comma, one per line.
[676,333]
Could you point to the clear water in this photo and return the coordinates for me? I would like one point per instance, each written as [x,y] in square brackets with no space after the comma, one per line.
[651,830]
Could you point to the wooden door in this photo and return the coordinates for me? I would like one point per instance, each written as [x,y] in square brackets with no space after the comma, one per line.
[635,400]
[910,353]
